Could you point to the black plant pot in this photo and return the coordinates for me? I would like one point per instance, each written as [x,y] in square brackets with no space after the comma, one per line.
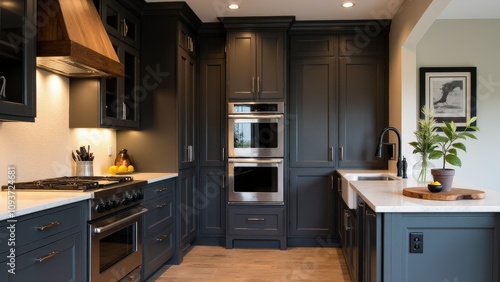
[444,176]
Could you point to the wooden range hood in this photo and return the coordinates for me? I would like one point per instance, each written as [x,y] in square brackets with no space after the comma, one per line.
[72,40]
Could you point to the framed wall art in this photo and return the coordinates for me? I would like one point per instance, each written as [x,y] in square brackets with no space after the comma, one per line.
[449,92]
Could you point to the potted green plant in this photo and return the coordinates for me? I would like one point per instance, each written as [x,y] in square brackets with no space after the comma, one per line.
[447,149]
[426,144]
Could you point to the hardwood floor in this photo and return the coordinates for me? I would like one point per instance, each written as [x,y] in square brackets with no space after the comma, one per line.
[209,263]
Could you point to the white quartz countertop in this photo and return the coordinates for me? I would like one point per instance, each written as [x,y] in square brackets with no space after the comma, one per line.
[387,197]
[29,201]
[152,177]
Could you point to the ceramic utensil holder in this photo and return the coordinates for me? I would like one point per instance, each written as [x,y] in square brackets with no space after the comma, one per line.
[84,168]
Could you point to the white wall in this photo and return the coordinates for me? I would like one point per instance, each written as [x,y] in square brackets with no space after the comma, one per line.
[43,149]
[471,43]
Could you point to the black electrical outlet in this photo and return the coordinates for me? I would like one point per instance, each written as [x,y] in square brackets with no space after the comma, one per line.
[416,242]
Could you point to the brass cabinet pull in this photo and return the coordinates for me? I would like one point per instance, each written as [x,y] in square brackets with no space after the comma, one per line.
[341,153]
[253,85]
[47,257]
[256,219]
[258,85]
[162,189]
[161,205]
[162,237]
[48,226]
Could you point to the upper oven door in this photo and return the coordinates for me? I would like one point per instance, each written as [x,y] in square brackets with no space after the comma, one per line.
[255,136]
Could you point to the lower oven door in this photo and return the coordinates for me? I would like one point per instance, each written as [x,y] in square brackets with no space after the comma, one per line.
[255,181]
[116,245]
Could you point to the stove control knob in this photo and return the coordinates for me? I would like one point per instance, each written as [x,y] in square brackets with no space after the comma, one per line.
[115,203]
[109,205]
[139,195]
[125,200]
[100,207]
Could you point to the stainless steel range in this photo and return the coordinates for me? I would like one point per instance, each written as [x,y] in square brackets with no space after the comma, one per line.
[114,226]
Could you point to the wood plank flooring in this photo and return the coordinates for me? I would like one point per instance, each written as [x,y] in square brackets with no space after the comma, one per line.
[212,263]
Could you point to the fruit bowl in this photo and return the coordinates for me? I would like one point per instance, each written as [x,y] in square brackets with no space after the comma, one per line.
[435,187]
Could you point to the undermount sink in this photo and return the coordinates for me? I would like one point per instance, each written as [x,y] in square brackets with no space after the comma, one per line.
[371,178]
[348,194]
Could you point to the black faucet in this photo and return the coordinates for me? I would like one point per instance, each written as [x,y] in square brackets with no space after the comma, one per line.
[401,165]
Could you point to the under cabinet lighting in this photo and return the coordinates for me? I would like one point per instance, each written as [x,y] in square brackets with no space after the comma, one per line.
[233,6]
[347,4]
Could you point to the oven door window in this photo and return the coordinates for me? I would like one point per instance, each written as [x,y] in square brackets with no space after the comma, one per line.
[255,179]
[256,134]
[116,246]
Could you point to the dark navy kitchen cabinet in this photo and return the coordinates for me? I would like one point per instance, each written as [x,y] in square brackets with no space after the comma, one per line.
[311,204]
[159,225]
[112,102]
[213,132]
[312,115]
[47,242]
[187,206]
[17,61]
[362,100]
[454,246]
[212,206]
[338,101]
[256,57]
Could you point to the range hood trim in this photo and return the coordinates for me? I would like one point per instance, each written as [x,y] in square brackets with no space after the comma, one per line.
[74,43]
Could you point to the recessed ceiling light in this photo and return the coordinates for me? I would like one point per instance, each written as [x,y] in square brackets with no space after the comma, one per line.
[347,4]
[233,6]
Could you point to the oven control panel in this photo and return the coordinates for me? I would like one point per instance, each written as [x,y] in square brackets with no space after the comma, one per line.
[108,204]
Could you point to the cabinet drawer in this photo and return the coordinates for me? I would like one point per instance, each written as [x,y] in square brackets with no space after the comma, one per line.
[160,214]
[158,248]
[48,224]
[158,189]
[62,258]
[258,221]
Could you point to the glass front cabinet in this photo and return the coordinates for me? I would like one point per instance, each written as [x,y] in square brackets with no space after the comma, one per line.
[17,60]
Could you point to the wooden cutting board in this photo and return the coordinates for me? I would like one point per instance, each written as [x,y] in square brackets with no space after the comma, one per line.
[454,194]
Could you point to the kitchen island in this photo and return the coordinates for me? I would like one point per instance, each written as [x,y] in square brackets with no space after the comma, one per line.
[399,238]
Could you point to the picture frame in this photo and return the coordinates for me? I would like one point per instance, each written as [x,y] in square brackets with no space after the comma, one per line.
[450,94]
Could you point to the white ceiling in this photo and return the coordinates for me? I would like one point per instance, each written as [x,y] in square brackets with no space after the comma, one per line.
[209,10]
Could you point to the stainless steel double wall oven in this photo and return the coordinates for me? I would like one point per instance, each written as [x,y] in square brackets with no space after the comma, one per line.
[255,141]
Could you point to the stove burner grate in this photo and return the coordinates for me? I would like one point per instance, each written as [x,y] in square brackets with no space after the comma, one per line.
[84,183]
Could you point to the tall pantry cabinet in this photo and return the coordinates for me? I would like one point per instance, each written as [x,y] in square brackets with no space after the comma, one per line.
[337,105]
[169,107]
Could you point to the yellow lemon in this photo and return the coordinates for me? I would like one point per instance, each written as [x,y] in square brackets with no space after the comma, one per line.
[435,183]
[122,168]
[130,168]
[113,169]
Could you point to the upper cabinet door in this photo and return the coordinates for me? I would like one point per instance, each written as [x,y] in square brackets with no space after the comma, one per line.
[241,75]
[312,116]
[362,110]
[120,23]
[256,65]
[17,61]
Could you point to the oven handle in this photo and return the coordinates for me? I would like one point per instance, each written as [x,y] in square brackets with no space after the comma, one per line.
[255,118]
[258,161]
[105,228]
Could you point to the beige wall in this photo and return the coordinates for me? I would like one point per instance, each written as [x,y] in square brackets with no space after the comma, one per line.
[43,149]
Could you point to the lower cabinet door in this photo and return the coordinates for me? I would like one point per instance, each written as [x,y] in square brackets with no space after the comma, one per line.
[57,261]
[157,249]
